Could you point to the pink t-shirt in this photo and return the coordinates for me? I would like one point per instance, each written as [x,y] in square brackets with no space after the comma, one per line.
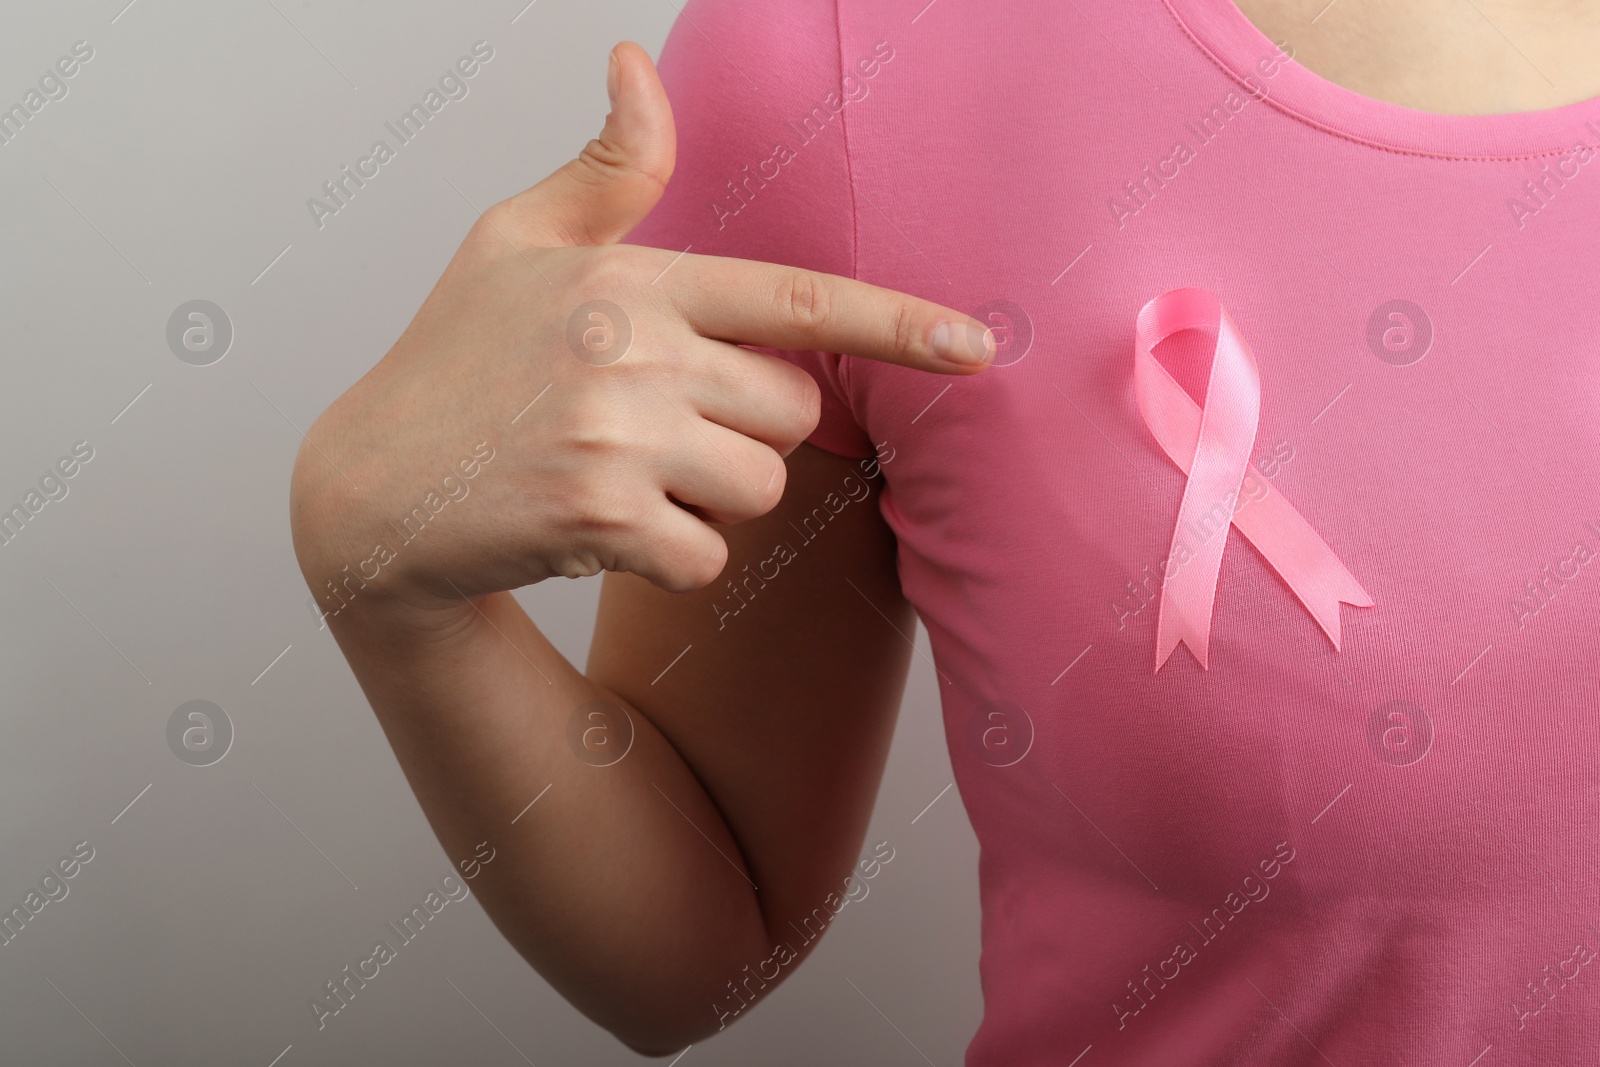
[1388,853]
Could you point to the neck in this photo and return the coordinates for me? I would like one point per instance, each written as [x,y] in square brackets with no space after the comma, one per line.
[1450,56]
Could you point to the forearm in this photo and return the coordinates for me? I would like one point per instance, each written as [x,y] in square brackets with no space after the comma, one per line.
[622,885]
[625,885]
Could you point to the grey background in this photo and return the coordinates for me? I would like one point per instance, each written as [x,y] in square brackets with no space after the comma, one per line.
[177,168]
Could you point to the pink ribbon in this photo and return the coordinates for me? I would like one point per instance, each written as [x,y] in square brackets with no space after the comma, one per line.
[1213,446]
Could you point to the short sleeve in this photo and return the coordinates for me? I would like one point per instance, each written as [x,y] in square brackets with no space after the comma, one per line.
[762,166]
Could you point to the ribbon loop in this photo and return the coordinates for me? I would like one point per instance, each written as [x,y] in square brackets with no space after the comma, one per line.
[1213,446]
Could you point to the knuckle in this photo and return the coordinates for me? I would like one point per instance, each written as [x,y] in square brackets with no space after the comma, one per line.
[605,159]
[806,299]
[615,416]
[705,561]
[607,448]
[599,161]
[579,564]
[902,327]
[601,505]
[497,228]
[608,269]
[777,476]
[596,442]
[684,560]
[806,409]
[592,427]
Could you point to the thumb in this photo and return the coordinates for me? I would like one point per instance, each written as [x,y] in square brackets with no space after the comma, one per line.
[611,186]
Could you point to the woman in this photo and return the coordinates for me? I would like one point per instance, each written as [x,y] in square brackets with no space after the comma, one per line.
[1288,362]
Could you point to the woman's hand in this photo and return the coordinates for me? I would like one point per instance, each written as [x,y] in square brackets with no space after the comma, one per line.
[606,382]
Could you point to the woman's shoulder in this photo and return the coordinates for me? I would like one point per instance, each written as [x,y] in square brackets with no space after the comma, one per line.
[762,167]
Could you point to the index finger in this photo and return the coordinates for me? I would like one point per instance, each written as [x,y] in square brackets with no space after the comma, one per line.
[745,301]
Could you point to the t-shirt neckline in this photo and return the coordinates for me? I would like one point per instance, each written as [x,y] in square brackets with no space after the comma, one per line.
[1237,45]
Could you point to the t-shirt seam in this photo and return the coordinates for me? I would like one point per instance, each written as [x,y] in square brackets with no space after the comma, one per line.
[842,363]
[1345,135]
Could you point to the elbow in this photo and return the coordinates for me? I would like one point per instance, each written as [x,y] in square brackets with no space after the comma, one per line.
[645,1046]
[660,1038]
[668,1031]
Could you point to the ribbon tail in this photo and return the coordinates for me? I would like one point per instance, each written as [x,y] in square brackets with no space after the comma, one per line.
[1324,607]
[1302,559]
[1176,628]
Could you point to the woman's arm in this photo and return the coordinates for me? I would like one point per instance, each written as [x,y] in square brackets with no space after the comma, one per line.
[603,415]
[641,889]
[784,711]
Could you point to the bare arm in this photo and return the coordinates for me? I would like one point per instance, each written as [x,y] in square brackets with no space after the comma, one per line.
[642,888]
[784,711]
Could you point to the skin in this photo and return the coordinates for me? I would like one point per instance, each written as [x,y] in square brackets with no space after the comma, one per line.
[642,888]
[1455,57]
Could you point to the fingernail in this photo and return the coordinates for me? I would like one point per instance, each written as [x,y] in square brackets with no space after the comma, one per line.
[613,78]
[962,344]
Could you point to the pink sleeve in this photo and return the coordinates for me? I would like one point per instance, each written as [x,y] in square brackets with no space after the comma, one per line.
[762,171]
